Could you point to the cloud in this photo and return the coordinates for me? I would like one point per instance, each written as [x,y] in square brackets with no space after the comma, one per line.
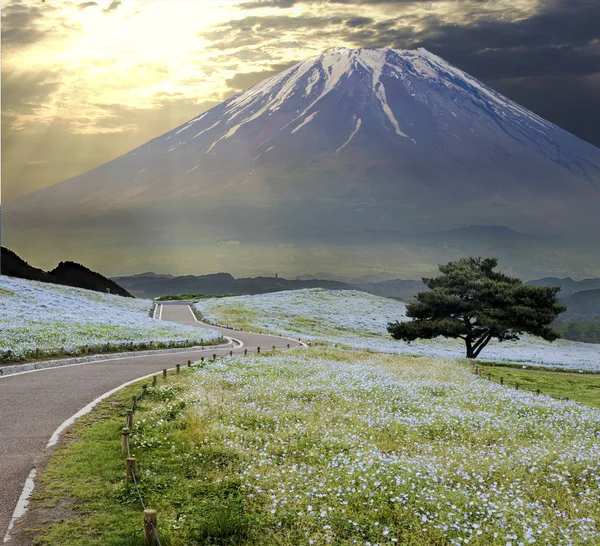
[20,25]
[244,80]
[87,5]
[113,6]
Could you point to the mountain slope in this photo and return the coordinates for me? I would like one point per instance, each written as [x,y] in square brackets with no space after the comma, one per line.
[355,147]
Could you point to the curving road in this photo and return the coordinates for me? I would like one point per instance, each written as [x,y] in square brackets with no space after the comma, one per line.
[34,404]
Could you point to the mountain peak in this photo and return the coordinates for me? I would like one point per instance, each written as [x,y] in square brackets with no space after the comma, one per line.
[343,147]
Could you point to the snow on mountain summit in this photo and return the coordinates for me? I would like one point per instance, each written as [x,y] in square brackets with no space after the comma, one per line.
[309,82]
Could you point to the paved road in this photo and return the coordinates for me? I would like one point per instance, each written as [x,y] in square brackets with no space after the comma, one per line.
[33,405]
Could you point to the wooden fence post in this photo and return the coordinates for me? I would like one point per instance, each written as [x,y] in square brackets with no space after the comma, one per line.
[129,419]
[189,363]
[202,359]
[178,368]
[154,381]
[489,376]
[517,386]
[245,352]
[165,375]
[288,346]
[150,523]
[133,402]
[230,353]
[125,440]
[538,391]
[258,350]
[501,380]
[214,357]
[129,468]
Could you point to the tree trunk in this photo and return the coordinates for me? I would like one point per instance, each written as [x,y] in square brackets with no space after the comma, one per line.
[469,344]
[473,349]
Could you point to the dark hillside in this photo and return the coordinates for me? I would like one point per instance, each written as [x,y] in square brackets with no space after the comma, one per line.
[66,273]
[75,274]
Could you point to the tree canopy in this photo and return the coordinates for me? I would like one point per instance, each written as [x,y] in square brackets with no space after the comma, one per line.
[473,302]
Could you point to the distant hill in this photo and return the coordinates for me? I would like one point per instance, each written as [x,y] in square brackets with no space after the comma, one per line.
[397,288]
[67,273]
[151,286]
[581,307]
[567,285]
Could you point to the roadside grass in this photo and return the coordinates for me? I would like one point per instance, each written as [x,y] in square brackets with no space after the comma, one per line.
[583,388]
[327,446]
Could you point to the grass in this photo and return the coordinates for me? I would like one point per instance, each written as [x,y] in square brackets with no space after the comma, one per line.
[583,388]
[332,446]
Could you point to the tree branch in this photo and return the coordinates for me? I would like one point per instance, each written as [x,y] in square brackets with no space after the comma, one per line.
[482,345]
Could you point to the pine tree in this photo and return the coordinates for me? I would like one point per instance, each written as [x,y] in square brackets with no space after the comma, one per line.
[473,302]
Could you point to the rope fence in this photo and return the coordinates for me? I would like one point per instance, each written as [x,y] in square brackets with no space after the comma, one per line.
[151,537]
[477,370]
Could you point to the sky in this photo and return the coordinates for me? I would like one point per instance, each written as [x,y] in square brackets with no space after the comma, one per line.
[86,81]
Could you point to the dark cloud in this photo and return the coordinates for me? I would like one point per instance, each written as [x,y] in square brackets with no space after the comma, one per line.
[87,5]
[113,6]
[541,61]
[19,25]
[244,80]
[359,22]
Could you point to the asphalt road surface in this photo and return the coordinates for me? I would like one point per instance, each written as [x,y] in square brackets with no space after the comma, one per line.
[33,405]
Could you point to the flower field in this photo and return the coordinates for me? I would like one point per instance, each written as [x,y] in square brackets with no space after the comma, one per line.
[50,317]
[329,446]
[359,320]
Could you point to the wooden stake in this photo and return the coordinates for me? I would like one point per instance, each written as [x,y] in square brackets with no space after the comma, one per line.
[273,347]
[258,350]
[133,402]
[178,368]
[37,352]
[154,381]
[129,419]
[230,353]
[489,376]
[150,524]
[214,357]
[86,349]
[189,363]
[245,352]
[129,468]
[202,359]
[288,346]
[538,391]
[501,380]
[165,375]
[125,440]
[517,386]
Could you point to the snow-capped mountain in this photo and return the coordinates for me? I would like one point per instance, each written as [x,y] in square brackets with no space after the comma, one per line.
[363,146]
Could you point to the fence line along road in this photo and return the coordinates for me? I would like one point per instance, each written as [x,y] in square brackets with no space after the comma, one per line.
[60,392]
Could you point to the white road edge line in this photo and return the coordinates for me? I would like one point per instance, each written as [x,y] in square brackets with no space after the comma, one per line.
[160,314]
[23,502]
[21,507]
[232,339]
[29,484]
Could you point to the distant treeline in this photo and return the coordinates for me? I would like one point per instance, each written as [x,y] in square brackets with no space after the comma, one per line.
[588,332]
[192,297]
